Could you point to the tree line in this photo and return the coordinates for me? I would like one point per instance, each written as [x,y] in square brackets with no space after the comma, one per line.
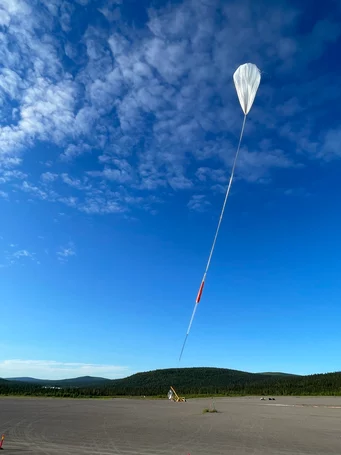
[190,382]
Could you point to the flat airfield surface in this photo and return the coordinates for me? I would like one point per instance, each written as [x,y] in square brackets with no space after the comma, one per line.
[286,426]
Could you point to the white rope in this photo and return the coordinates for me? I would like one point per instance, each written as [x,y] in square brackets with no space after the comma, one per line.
[217,232]
[225,200]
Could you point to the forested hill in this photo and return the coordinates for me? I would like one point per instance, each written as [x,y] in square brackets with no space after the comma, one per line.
[222,381]
[278,374]
[191,380]
[187,381]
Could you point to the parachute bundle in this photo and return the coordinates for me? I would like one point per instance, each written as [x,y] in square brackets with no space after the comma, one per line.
[246,80]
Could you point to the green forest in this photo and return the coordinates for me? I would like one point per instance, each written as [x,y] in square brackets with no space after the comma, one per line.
[187,381]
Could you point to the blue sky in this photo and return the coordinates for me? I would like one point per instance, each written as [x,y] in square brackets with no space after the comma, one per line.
[118,125]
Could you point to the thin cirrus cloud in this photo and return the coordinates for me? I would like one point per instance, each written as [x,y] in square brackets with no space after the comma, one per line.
[51,369]
[198,203]
[18,256]
[65,252]
[147,107]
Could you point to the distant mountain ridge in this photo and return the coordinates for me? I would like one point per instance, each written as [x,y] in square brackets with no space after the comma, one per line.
[209,374]
[26,379]
[83,381]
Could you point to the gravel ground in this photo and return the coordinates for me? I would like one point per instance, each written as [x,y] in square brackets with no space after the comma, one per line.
[158,427]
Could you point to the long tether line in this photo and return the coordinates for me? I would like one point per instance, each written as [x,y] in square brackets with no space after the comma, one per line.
[215,238]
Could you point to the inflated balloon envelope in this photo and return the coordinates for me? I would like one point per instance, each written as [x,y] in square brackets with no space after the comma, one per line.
[246,79]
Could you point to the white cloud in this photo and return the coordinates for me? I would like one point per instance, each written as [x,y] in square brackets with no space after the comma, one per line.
[49,177]
[3,194]
[75,183]
[332,144]
[4,18]
[102,205]
[10,176]
[216,175]
[253,166]
[65,252]
[19,257]
[51,369]
[70,201]
[10,83]
[123,172]
[156,104]
[111,10]
[198,203]
[66,11]
[297,192]
[22,253]
[28,187]
[72,151]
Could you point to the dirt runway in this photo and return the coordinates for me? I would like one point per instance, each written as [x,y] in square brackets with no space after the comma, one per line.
[159,427]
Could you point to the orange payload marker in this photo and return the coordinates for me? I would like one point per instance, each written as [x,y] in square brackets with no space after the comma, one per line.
[200,291]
